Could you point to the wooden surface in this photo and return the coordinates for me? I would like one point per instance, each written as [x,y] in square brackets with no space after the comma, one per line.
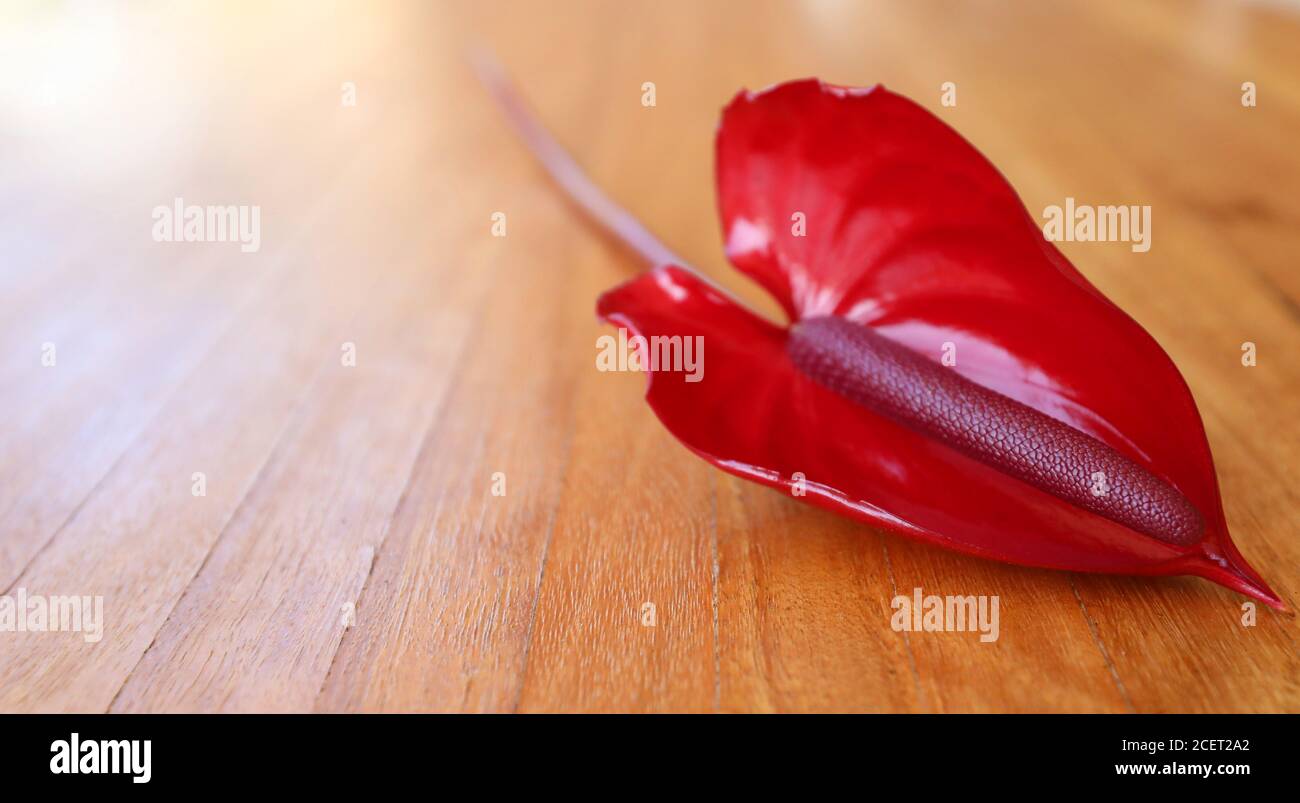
[349,553]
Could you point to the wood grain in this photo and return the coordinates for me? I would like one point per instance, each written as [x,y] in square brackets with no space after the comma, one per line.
[350,554]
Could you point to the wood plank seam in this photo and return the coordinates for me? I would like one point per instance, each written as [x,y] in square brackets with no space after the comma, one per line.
[249,301]
[299,410]
[541,574]
[264,284]
[907,638]
[426,444]
[717,641]
[1096,637]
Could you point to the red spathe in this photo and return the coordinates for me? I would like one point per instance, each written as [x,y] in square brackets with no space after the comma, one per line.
[861,204]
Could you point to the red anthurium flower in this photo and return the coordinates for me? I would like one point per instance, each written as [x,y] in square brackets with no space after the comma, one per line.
[946,373]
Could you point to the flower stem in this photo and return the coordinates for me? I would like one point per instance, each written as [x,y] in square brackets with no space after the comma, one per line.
[616,221]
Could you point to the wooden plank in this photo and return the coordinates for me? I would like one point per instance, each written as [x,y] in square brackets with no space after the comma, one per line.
[142,535]
[322,507]
[446,616]
[139,538]
[802,596]
[69,423]
[344,464]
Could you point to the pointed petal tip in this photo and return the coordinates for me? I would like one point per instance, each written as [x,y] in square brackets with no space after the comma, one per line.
[1231,570]
[1261,591]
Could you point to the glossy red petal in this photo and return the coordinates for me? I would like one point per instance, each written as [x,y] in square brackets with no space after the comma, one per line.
[859,203]
[901,238]
[754,415]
